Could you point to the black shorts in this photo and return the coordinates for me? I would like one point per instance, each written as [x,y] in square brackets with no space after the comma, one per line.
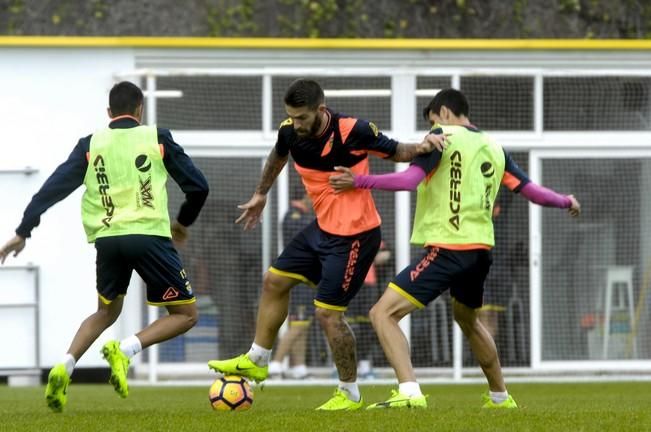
[154,258]
[337,265]
[437,269]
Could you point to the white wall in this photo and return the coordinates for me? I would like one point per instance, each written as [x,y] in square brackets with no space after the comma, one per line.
[51,98]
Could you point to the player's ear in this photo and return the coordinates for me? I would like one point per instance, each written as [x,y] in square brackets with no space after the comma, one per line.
[110,114]
[444,113]
[321,109]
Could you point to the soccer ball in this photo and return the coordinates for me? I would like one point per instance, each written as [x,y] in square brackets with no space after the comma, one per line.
[230,393]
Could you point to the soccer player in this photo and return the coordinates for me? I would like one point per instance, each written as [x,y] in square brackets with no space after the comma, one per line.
[453,221]
[124,169]
[335,251]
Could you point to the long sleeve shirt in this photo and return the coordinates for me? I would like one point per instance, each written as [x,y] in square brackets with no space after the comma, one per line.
[68,176]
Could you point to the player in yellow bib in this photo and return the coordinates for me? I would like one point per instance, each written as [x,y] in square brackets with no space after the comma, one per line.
[124,168]
[457,189]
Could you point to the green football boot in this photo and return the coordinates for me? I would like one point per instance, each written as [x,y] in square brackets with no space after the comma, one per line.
[57,387]
[119,364]
[340,402]
[508,403]
[399,400]
[241,366]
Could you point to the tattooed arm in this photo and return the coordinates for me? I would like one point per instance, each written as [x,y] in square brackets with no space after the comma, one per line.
[272,168]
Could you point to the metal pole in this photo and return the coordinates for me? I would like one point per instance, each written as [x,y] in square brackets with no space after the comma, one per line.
[152,311]
[403,124]
[457,335]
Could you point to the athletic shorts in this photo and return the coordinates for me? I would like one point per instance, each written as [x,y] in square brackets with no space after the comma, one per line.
[437,269]
[154,258]
[336,265]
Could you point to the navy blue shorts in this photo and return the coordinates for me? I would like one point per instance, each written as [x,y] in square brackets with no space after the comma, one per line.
[154,258]
[336,265]
[437,270]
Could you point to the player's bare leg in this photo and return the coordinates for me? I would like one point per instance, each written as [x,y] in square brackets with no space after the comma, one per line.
[89,330]
[342,344]
[385,316]
[272,312]
[482,345]
[179,320]
[94,325]
[273,309]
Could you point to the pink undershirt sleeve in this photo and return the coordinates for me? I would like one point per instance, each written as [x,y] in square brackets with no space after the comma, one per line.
[412,176]
[545,197]
[404,180]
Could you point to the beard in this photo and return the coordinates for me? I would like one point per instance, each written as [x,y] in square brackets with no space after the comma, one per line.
[313,130]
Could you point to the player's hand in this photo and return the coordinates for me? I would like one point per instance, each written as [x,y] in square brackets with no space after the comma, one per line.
[432,142]
[179,233]
[344,181]
[15,245]
[575,208]
[252,211]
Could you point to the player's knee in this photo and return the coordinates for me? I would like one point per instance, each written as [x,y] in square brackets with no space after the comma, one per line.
[381,312]
[191,318]
[468,323]
[108,315]
[327,317]
[466,317]
[187,321]
[377,314]
[275,284]
[186,316]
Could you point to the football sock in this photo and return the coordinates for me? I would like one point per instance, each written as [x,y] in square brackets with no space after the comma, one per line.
[259,355]
[69,362]
[131,346]
[351,390]
[498,397]
[410,388]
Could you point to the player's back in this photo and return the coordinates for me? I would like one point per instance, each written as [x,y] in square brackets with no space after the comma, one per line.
[125,184]
[455,203]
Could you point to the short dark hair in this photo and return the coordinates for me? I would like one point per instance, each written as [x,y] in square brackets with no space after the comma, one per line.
[124,98]
[453,99]
[304,92]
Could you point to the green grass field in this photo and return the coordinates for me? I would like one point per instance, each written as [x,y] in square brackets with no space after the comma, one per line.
[543,407]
